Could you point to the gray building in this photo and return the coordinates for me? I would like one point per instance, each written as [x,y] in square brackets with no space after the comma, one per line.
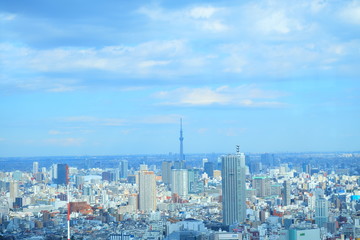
[166,171]
[286,194]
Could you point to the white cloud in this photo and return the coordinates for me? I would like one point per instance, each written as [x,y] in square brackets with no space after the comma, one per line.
[202,12]
[277,22]
[282,59]
[199,17]
[214,26]
[351,13]
[152,63]
[120,59]
[245,95]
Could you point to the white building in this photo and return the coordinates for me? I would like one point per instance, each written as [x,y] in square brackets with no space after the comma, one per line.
[147,191]
[180,182]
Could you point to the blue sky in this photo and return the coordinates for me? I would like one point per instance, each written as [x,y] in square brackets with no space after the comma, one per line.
[90,78]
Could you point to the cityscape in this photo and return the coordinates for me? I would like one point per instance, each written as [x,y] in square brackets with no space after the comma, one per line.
[180,120]
[205,196]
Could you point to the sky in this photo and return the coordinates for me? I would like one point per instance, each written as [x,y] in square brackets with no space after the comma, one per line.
[115,77]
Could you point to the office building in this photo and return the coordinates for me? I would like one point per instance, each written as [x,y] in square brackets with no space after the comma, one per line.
[166,171]
[204,160]
[180,182]
[286,194]
[321,212]
[123,169]
[195,184]
[62,174]
[262,186]
[209,169]
[14,190]
[233,188]
[147,191]
[35,168]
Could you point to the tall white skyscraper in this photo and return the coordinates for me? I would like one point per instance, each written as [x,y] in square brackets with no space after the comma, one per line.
[180,182]
[35,168]
[147,191]
[233,188]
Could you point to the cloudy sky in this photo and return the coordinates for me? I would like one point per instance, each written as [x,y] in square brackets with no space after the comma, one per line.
[91,78]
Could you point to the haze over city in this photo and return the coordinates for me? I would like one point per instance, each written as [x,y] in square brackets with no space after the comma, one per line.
[84,77]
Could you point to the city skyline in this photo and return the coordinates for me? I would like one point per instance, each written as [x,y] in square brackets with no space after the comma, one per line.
[113,78]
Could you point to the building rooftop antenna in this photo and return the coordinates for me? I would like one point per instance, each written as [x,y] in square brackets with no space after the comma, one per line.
[181,138]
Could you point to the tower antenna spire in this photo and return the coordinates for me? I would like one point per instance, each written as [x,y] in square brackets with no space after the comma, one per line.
[237,149]
[181,138]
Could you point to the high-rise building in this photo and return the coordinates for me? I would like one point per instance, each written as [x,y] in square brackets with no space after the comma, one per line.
[233,188]
[321,211]
[35,168]
[195,184]
[62,174]
[180,182]
[14,190]
[204,160]
[209,169]
[255,167]
[79,181]
[166,171]
[123,169]
[53,172]
[147,191]
[262,186]
[286,194]
[306,168]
